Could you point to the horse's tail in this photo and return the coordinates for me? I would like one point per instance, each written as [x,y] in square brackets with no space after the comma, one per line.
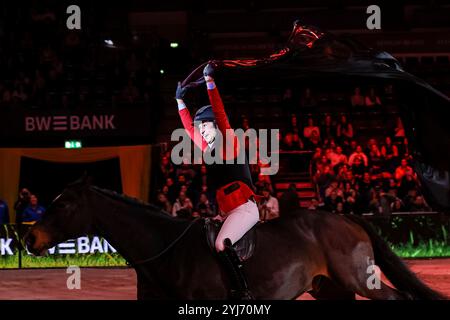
[394,268]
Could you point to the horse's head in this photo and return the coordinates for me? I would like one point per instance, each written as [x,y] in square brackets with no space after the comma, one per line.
[66,218]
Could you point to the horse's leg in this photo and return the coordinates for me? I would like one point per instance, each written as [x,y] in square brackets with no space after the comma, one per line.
[352,272]
[323,288]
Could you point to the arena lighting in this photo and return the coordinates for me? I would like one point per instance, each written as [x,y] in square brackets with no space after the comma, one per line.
[174,44]
[109,42]
[161,71]
[73,144]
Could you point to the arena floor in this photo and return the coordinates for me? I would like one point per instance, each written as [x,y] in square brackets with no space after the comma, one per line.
[120,283]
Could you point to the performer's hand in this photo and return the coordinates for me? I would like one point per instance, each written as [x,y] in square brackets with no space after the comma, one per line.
[208,72]
[181,92]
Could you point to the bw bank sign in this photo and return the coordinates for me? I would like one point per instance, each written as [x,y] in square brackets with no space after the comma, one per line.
[70,123]
[83,245]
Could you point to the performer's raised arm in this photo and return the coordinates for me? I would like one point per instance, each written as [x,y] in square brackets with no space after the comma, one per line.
[219,112]
[186,119]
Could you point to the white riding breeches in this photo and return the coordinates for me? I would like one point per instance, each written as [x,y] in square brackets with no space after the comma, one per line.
[238,222]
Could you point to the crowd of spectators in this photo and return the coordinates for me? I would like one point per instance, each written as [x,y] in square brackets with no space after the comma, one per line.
[352,173]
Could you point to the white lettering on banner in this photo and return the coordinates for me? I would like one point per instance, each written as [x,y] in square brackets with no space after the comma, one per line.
[5,246]
[72,123]
[82,245]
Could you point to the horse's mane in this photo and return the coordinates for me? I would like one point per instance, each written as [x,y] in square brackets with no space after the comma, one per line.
[134,202]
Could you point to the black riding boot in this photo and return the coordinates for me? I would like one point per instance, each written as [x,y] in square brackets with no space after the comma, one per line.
[233,265]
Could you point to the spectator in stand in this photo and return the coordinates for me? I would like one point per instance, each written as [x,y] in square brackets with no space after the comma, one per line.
[344,130]
[310,128]
[328,130]
[419,204]
[204,208]
[389,153]
[332,201]
[34,211]
[263,183]
[397,206]
[340,208]
[171,190]
[375,159]
[289,201]
[294,127]
[313,141]
[399,131]
[407,183]
[337,158]
[372,99]
[307,99]
[183,206]
[334,187]
[166,168]
[323,178]
[357,98]
[163,203]
[358,155]
[402,170]
[21,204]
[4,212]
[268,207]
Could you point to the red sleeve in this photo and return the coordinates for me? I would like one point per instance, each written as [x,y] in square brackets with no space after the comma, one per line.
[193,132]
[222,121]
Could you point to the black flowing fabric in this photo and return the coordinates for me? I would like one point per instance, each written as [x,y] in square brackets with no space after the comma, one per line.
[314,54]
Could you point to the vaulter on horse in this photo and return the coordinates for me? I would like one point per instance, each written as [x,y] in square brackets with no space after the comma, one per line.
[232,182]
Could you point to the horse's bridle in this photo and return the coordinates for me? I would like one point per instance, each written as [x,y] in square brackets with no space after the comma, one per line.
[138,262]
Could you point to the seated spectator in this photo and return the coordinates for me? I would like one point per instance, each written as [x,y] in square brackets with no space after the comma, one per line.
[340,208]
[334,187]
[21,204]
[313,141]
[34,211]
[262,183]
[357,98]
[166,168]
[328,129]
[419,204]
[344,130]
[292,142]
[293,126]
[204,208]
[4,212]
[171,190]
[399,131]
[337,158]
[307,99]
[397,206]
[163,203]
[183,206]
[358,155]
[268,206]
[289,201]
[407,183]
[332,201]
[372,99]
[375,159]
[402,170]
[389,153]
[310,128]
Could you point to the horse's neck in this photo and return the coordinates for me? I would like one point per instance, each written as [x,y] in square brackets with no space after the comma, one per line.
[135,235]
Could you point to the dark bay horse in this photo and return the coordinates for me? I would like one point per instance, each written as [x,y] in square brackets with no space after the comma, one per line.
[321,253]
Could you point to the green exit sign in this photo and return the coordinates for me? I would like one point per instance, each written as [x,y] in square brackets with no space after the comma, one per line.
[73,144]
